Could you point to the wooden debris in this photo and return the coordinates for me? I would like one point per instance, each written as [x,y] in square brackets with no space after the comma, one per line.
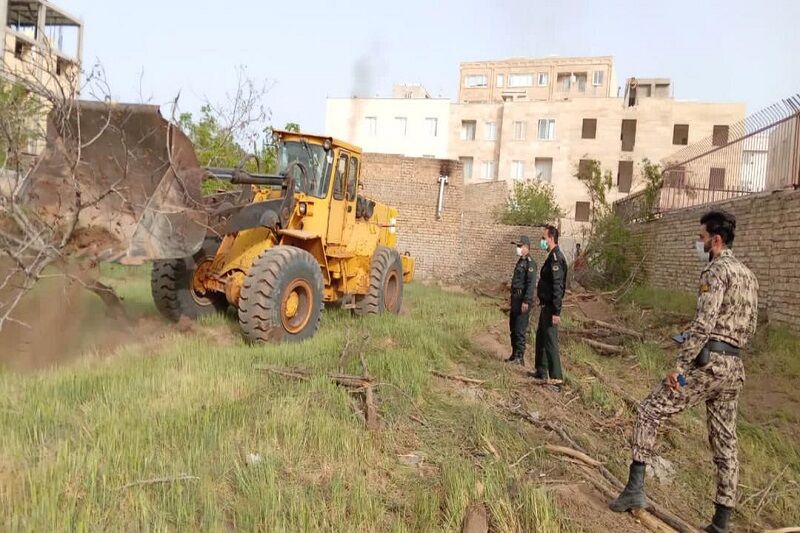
[361,384]
[609,326]
[655,509]
[783,530]
[572,453]
[462,379]
[156,480]
[603,347]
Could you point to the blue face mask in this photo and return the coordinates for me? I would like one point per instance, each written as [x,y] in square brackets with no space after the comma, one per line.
[543,244]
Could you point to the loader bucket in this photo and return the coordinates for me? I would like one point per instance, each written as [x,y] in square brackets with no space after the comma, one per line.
[134,175]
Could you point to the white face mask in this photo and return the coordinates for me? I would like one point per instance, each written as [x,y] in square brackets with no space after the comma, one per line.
[519,251]
[700,249]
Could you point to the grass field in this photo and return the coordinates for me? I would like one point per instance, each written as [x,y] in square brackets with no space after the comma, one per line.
[184,434]
[173,429]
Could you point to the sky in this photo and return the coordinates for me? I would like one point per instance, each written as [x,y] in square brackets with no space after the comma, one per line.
[713,50]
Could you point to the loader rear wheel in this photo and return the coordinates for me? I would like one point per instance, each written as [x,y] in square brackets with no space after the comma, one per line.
[176,285]
[281,297]
[385,293]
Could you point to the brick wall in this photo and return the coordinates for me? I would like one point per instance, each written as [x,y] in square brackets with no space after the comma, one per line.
[767,230]
[465,245]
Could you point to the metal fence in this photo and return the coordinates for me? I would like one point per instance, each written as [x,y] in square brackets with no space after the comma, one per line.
[759,153]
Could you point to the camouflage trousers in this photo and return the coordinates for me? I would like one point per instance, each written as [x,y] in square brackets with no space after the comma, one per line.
[718,384]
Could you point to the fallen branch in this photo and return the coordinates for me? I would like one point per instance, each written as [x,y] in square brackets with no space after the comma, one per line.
[155,480]
[784,530]
[572,453]
[361,384]
[613,327]
[602,346]
[462,379]
[346,380]
[658,511]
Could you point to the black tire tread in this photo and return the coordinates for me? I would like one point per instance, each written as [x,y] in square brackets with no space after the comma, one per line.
[382,261]
[258,301]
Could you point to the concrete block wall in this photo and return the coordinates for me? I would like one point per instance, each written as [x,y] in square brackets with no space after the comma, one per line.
[767,231]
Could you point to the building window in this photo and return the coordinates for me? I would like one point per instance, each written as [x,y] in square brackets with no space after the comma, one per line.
[520,80]
[675,177]
[597,78]
[543,80]
[580,81]
[547,129]
[519,130]
[544,168]
[466,166]
[491,131]
[518,170]
[582,211]
[564,81]
[501,79]
[719,136]
[476,80]
[400,124]
[432,126]
[372,126]
[589,129]
[488,170]
[716,179]
[625,176]
[585,168]
[628,135]
[680,134]
[467,130]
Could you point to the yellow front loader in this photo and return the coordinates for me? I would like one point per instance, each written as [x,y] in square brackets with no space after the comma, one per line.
[303,237]
[306,238]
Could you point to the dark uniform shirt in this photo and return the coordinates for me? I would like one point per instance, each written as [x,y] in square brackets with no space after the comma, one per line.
[524,279]
[553,280]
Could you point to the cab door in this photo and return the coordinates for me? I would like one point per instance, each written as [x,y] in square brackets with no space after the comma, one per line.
[338,204]
[350,199]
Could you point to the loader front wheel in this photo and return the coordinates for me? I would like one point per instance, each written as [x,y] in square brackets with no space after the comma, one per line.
[176,286]
[385,293]
[281,298]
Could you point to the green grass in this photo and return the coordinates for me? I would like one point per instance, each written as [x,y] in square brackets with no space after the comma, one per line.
[73,438]
[663,300]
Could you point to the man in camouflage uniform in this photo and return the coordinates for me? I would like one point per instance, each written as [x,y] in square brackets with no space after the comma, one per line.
[708,369]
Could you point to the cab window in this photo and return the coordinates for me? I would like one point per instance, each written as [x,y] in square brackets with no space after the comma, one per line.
[352,178]
[341,176]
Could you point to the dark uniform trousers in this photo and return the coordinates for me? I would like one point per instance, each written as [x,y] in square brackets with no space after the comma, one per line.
[551,288]
[518,322]
[522,286]
[548,358]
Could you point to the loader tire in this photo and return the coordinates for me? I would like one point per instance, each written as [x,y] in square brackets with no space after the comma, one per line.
[385,293]
[281,297]
[171,284]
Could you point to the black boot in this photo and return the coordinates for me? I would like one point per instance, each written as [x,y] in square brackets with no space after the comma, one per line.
[514,357]
[632,497]
[719,524]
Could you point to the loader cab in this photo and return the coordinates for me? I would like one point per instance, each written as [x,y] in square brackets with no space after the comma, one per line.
[332,173]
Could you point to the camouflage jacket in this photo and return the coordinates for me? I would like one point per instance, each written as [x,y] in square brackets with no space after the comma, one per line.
[727,307]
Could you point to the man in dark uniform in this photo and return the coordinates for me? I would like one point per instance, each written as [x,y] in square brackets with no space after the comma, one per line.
[522,283]
[552,284]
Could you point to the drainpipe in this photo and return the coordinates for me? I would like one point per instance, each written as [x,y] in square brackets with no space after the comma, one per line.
[440,201]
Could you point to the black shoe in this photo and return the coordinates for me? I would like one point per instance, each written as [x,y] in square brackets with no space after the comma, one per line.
[539,375]
[719,524]
[512,358]
[632,497]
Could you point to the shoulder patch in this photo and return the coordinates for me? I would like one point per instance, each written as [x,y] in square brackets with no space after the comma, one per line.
[705,287]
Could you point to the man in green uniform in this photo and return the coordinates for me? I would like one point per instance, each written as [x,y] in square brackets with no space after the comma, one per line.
[522,283]
[551,288]
[709,368]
